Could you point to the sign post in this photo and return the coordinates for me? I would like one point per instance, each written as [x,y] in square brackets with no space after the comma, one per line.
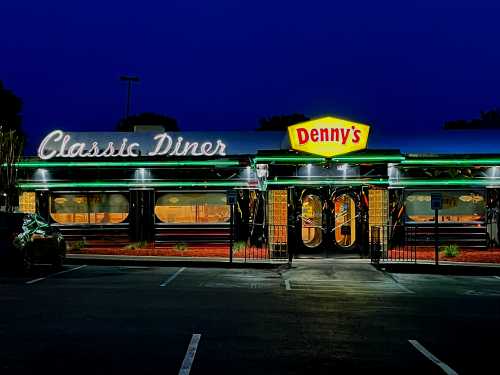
[231,200]
[436,205]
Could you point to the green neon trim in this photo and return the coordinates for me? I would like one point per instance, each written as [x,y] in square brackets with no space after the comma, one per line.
[492,161]
[289,159]
[456,182]
[367,158]
[124,184]
[340,159]
[79,164]
[380,181]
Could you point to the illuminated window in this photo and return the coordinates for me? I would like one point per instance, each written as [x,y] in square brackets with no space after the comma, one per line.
[378,213]
[192,208]
[277,216]
[27,203]
[312,221]
[93,208]
[345,220]
[458,206]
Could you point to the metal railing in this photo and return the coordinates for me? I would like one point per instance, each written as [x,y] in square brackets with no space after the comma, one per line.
[393,244]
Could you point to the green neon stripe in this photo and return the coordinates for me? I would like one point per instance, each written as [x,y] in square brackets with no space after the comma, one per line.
[456,182]
[289,159]
[339,159]
[79,164]
[492,161]
[124,184]
[291,182]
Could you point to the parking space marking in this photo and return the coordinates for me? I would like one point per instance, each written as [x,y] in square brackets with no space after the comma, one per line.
[447,369]
[54,274]
[172,277]
[190,353]
[287,285]
[497,277]
[351,287]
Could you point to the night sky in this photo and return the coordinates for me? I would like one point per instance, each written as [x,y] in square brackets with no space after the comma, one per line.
[223,64]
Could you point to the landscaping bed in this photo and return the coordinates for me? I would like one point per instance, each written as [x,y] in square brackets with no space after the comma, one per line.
[198,250]
[464,255]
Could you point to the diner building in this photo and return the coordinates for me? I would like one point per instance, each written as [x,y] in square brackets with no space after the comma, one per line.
[321,188]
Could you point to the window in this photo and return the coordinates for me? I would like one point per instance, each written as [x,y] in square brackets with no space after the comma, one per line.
[89,208]
[458,206]
[312,221]
[192,208]
[277,209]
[27,203]
[345,220]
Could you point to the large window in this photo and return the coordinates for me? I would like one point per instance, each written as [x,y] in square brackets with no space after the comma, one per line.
[89,208]
[192,208]
[458,206]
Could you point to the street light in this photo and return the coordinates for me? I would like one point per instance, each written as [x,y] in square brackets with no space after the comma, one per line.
[129,80]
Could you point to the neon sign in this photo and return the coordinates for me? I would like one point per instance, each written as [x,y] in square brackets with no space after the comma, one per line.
[59,144]
[328,136]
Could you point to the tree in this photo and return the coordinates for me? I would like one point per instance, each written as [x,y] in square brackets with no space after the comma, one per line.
[11,148]
[281,122]
[487,120]
[127,124]
[10,110]
[11,144]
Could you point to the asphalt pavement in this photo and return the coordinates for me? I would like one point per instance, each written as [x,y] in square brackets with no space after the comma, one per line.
[318,317]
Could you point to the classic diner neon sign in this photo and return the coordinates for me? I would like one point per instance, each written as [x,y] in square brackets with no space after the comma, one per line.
[328,136]
[59,144]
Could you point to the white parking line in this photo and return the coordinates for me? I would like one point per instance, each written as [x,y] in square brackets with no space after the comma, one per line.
[287,285]
[447,369]
[190,353]
[55,274]
[497,277]
[172,277]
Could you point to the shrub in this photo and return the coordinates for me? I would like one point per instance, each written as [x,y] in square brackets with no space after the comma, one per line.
[77,245]
[238,246]
[451,250]
[136,245]
[180,246]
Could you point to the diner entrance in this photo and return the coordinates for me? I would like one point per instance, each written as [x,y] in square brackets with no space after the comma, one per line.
[329,222]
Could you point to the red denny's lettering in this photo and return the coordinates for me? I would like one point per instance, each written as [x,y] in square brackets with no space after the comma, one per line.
[330,134]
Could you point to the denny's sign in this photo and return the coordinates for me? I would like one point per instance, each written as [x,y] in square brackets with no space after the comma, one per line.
[328,136]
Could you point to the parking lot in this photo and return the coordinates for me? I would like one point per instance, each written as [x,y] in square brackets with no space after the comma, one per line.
[318,317]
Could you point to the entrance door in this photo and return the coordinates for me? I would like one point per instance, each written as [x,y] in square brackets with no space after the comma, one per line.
[345,221]
[328,222]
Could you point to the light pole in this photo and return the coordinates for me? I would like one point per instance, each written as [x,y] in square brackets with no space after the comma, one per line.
[129,80]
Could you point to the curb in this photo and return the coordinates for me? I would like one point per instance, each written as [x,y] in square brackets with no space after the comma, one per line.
[155,261]
[459,269]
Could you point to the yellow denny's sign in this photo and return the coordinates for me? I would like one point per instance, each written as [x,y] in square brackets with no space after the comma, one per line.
[328,136]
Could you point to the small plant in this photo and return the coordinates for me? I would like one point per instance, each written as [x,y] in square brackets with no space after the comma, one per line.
[77,245]
[451,250]
[180,246]
[136,245]
[238,246]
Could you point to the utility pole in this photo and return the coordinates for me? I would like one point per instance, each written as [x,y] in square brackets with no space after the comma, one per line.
[129,80]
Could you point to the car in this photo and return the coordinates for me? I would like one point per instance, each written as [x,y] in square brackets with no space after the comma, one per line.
[28,239]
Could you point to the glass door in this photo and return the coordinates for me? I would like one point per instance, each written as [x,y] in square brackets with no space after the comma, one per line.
[345,218]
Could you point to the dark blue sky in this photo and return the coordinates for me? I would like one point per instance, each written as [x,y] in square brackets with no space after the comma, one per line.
[223,64]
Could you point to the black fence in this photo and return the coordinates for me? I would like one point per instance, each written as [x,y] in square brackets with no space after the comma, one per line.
[265,242]
[393,244]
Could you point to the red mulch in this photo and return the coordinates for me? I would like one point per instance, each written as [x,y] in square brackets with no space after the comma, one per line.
[191,251]
[466,255]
